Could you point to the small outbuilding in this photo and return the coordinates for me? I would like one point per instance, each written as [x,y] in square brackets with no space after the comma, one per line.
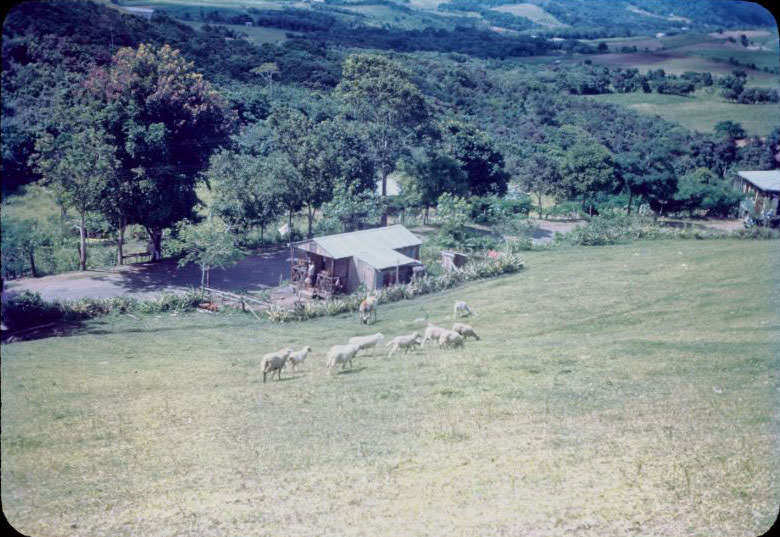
[375,258]
[763,189]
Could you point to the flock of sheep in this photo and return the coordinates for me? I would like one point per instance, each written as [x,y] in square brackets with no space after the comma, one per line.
[275,362]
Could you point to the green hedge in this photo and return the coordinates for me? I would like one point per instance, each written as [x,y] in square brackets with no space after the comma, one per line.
[28,309]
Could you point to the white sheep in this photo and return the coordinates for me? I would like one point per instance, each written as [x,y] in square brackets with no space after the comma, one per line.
[461,308]
[366,342]
[464,330]
[450,339]
[275,361]
[296,358]
[341,354]
[431,333]
[403,342]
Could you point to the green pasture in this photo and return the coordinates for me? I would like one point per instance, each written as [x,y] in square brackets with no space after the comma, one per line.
[256,34]
[616,390]
[699,112]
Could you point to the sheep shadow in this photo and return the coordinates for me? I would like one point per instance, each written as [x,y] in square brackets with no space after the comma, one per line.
[351,370]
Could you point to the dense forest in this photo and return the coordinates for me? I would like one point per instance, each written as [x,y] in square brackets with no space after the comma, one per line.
[308,126]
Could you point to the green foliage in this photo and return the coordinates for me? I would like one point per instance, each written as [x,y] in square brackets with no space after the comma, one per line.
[349,210]
[209,244]
[166,120]
[452,212]
[28,309]
[246,192]
[479,158]
[729,129]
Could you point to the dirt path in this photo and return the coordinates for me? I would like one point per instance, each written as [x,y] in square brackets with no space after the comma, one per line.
[148,280]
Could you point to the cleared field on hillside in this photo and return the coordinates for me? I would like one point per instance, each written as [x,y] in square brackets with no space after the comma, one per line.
[533,13]
[616,390]
[700,114]
[257,34]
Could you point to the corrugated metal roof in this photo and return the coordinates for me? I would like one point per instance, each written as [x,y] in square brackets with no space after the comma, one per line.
[376,246]
[385,258]
[768,181]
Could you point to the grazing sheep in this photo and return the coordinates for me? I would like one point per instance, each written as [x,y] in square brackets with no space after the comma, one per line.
[403,342]
[366,342]
[368,309]
[341,354]
[461,308]
[431,333]
[296,358]
[275,361]
[464,330]
[450,339]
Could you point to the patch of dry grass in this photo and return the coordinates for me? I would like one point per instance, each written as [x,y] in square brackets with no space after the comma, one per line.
[625,389]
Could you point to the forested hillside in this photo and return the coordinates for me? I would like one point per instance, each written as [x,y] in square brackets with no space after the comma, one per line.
[453,107]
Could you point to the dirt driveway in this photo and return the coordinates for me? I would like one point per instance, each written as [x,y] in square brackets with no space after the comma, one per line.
[147,280]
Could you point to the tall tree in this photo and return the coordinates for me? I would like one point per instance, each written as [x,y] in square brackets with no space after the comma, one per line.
[245,195]
[379,91]
[79,165]
[647,173]
[429,174]
[586,169]
[540,175]
[480,160]
[167,120]
[209,244]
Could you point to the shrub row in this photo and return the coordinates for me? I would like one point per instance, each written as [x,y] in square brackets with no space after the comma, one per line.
[620,229]
[501,263]
[28,309]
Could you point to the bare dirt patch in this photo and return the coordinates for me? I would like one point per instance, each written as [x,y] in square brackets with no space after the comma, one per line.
[148,280]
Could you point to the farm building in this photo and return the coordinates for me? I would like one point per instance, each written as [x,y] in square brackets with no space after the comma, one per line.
[340,263]
[763,189]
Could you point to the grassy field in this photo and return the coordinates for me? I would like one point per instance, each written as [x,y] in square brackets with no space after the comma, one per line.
[533,13]
[256,34]
[699,113]
[619,390]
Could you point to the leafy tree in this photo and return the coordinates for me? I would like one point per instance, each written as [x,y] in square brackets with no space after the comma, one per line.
[587,168]
[78,165]
[245,195]
[453,213]
[702,189]
[353,210]
[209,244]
[428,175]
[729,129]
[480,160]
[21,239]
[166,120]
[379,91]
[541,175]
[647,173]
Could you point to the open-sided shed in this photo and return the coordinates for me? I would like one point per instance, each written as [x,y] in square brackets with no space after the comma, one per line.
[375,257]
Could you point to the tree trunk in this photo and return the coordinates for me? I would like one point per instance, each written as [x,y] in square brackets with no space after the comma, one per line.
[120,243]
[310,216]
[289,226]
[262,231]
[630,197]
[31,255]
[155,243]
[539,198]
[83,241]
[385,208]
[425,216]
[202,277]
